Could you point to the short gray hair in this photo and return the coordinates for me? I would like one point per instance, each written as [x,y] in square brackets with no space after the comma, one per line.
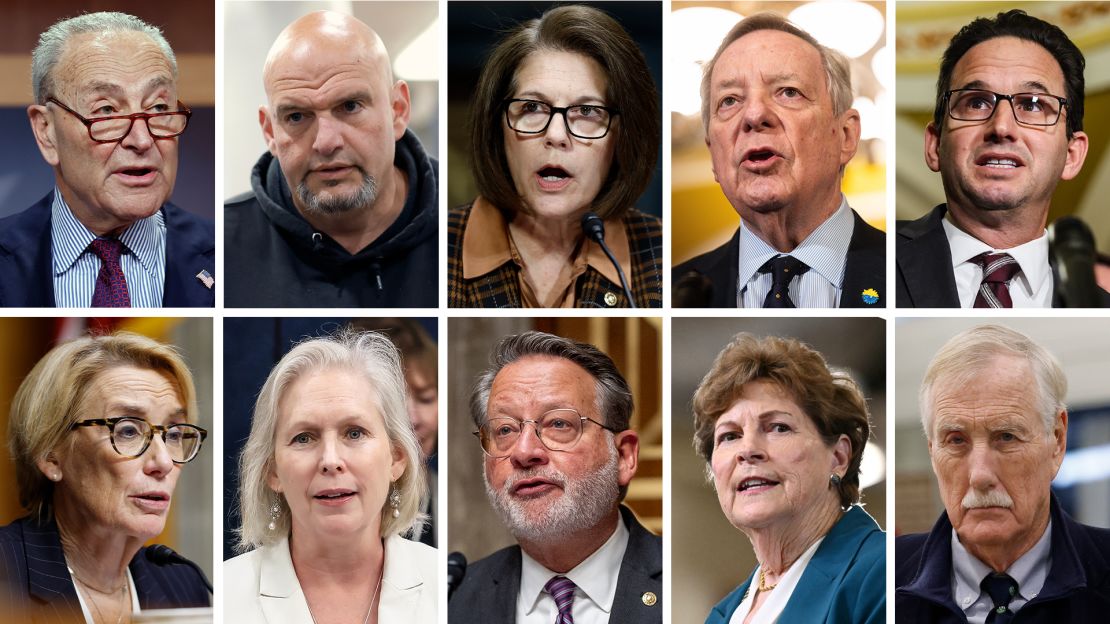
[973,350]
[838,72]
[53,42]
[368,353]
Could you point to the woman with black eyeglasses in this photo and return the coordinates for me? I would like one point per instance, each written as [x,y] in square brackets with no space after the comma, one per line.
[98,431]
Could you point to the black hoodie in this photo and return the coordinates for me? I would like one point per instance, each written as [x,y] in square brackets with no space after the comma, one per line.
[273,257]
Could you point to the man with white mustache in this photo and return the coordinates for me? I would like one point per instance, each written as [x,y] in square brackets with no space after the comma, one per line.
[552,417]
[992,406]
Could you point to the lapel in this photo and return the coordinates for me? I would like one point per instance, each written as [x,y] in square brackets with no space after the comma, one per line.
[641,574]
[723,271]
[504,586]
[49,583]
[189,250]
[151,592]
[26,259]
[401,584]
[864,267]
[279,592]
[925,263]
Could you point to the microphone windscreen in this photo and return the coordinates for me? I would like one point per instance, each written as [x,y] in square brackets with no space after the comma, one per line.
[593,226]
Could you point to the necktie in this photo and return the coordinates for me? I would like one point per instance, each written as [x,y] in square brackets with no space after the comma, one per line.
[111,287]
[998,270]
[562,590]
[1001,588]
[783,269]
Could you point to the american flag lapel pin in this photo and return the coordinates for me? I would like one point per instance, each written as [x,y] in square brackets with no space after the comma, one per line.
[206,278]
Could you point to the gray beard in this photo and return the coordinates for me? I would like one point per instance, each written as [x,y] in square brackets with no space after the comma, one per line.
[332,204]
[584,504]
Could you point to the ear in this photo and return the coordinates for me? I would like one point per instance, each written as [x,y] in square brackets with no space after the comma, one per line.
[398,467]
[1059,440]
[273,481]
[932,146]
[1077,153]
[841,455]
[50,466]
[628,455]
[850,128]
[267,124]
[44,128]
[401,109]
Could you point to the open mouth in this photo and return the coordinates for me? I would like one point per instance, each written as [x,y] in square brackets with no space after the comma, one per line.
[532,487]
[994,161]
[553,174]
[136,171]
[334,496]
[756,484]
[760,155]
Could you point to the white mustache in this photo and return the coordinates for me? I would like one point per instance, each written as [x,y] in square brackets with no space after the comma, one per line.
[548,474]
[991,498]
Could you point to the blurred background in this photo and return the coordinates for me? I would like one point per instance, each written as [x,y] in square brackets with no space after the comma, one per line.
[635,346]
[409,30]
[475,28]
[924,30]
[702,217]
[189,522]
[1083,347]
[710,557]
[189,28]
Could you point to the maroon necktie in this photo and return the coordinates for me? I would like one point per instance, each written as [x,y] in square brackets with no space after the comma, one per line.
[998,270]
[111,287]
[562,590]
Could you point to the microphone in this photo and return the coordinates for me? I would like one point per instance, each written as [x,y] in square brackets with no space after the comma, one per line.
[594,228]
[692,290]
[1072,252]
[160,555]
[456,570]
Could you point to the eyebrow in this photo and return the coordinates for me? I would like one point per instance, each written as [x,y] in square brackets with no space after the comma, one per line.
[538,95]
[764,416]
[1028,84]
[298,104]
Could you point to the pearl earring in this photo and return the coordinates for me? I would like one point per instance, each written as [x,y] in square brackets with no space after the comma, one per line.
[395,501]
[275,512]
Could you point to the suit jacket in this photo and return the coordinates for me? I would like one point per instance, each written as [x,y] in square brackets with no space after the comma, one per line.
[1077,588]
[488,592]
[844,582]
[27,268]
[864,268]
[925,278]
[35,585]
[262,587]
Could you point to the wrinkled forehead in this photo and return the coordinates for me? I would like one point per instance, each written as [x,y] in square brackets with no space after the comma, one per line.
[1008,63]
[311,62]
[118,63]
[766,56]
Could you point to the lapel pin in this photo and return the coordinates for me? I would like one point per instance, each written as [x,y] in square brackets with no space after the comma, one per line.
[649,599]
[870,296]
[206,278]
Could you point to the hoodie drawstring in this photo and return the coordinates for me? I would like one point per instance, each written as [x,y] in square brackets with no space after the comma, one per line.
[317,242]
[376,268]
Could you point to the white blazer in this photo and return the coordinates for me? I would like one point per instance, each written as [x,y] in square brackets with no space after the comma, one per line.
[261,587]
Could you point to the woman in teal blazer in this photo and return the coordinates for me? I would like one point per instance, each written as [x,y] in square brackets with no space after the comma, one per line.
[783,437]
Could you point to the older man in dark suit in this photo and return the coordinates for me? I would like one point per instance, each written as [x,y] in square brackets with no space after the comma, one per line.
[581,556]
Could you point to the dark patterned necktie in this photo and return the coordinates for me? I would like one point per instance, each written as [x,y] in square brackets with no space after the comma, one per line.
[998,270]
[562,590]
[1001,588]
[111,286]
[783,270]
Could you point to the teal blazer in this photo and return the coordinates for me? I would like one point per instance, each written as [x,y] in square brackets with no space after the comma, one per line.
[844,583]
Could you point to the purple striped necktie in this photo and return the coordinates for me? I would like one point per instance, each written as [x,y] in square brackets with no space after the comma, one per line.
[111,286]
[998,270]
[562,590]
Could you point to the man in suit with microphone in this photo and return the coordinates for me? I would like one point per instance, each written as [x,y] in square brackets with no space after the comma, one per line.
[1007,127]
[553,422]
[776,106]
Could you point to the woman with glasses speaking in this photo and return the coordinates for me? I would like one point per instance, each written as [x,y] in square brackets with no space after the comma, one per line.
[565,130]
[99,431]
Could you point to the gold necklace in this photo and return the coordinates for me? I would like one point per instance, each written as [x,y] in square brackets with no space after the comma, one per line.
[89,598]
[763,587]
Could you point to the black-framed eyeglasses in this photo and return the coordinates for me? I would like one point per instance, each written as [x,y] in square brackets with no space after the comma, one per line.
[585,121]
[1031,109]
[131,436]
[165,125]
[558,430]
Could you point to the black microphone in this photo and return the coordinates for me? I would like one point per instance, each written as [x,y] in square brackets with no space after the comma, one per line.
[594,228]
[456,570]
[1072,252]
[692,290]
[160,555]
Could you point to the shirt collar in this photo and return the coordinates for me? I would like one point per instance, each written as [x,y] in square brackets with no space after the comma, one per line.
[486,245]
[596,576]
[825,250]
[1032,256]
[1030,570]
[70,237]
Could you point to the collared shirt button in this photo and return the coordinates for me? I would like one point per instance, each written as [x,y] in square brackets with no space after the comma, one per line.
[610,299]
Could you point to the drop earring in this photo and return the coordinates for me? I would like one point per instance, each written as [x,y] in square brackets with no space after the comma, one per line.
[275,512]
[395,501]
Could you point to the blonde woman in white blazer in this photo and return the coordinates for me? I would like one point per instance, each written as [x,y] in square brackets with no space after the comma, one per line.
[330,479]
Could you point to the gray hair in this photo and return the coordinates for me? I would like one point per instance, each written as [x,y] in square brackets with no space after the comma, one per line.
[53,42]
[975,349]
[368,353]
[838,73]
[614,399]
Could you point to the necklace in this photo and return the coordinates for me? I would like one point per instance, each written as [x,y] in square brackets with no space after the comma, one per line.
[763,587]
[88,597]
[373,596]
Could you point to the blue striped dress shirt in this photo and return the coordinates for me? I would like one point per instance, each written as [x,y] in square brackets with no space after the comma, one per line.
[825,251]
[76,266]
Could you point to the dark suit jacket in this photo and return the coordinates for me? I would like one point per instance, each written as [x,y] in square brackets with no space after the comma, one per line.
[865,268]
[1077,588]
[489,590]
[35,585]
[26,265]
[924,277]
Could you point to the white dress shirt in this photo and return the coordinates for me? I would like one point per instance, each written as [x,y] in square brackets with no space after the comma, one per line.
[595,579]
[1030,288]
[770,610]
[1030,572]
[825,251]
[135,608]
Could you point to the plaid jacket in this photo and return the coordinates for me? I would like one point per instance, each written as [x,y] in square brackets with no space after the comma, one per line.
[500,288]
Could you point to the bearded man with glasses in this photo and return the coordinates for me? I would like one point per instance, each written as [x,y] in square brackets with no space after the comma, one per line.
[107,118]
[1007,127]
[552,418]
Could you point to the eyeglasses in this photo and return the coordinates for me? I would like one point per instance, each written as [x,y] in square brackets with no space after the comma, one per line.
[558,430]
[585,121]
[131,437]
[1031,109]
[114,128]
